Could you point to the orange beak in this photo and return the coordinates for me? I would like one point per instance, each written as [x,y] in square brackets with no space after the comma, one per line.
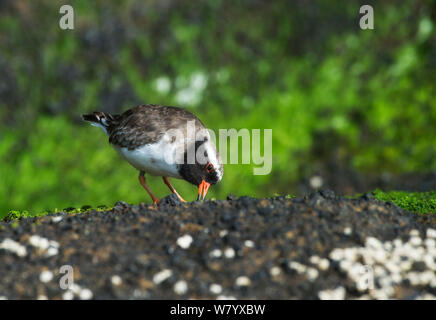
[202,189]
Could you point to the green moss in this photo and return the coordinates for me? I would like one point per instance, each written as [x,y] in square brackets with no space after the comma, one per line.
[422,202]
[16,214]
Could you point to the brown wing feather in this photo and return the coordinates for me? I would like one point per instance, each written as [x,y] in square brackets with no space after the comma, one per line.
[146,124]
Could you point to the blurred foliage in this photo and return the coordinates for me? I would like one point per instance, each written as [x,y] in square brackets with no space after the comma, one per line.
[304,69]
[422,202]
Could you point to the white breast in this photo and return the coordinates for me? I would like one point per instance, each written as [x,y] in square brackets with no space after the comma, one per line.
[158,159]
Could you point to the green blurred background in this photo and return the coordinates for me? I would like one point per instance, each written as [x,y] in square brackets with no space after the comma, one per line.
[350,109]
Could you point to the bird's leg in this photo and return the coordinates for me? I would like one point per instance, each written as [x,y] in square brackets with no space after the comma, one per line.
[167,182]
[146,187]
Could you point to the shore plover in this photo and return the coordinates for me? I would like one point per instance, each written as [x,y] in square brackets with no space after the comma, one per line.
[163,141]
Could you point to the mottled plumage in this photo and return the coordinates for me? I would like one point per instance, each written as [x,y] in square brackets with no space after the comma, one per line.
[153,121]
[141,136]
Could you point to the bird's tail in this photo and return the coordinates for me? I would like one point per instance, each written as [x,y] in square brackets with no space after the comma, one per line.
[100,119]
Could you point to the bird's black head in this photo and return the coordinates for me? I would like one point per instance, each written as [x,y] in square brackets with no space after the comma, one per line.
[207,168]
[196,173]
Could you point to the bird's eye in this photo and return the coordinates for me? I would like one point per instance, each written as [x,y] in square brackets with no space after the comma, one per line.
[209,167]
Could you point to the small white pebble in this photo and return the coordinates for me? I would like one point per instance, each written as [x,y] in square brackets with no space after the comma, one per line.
[337,254]
[215,288]
[180,287]
[223,233]
[42,297]
[348,231]
[56,219]
[139,294]
[39,242]
[51,252]
[68,295]
[392,267]
[314,259]
[324,264]
[222,297]
[426,296]
[75,288]
[162,276]
[229,253]
[116,280]
[85,294]
[414,233]
[405,265]
[396,278]
[316,182]
[185,241]
[430,243]
[414,278]
[350,253]
[216,253]
[44,244]
[13,246]
[426,277]
[333,294]
[398,243]
[46,276]
[380,256]
[373,243]
[53,244]
[380,271]
[275,271]
[249,244]
[415,241]
[380,294]
[300,268]
[345,265]
[387,246]
[243,281]
[312,274]
[431,233]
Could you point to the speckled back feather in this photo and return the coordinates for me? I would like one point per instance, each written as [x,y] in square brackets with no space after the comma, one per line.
[144,124]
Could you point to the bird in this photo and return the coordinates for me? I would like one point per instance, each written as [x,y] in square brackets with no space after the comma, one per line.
[164,141]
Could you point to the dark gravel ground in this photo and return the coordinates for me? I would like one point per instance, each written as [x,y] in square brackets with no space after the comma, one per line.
[241,248]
